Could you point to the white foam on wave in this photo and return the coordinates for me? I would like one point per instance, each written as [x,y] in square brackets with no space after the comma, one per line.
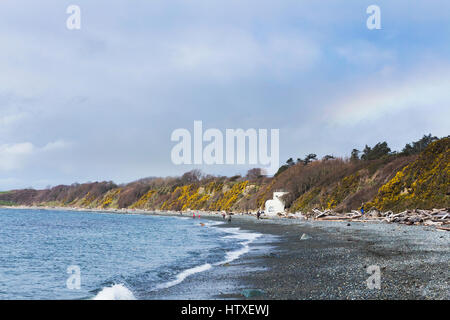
[213,223]
[183,275]
[115,292]
[236,233]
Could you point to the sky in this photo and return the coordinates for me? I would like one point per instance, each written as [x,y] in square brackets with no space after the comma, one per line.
[100,103]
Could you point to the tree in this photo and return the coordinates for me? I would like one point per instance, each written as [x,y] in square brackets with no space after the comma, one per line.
[254,174]
[281,169]
[366,153]
[418,146]
[380,150]
[355,154]
[290,162]
[236,177]
[191,176]
[309,158]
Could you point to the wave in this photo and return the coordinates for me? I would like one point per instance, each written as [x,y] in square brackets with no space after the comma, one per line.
[183,275]
[212,223]
[235,233]
[115,292]
[120,292]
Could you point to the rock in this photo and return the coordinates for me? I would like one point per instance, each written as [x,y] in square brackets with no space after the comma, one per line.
[250,293]
[305,237]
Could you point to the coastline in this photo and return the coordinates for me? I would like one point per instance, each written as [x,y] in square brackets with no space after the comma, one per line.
[330,262]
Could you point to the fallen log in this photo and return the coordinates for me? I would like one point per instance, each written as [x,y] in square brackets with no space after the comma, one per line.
[431,223]
[335,218]
[319,213]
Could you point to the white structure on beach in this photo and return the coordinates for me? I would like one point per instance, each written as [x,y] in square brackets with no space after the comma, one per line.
[275,205]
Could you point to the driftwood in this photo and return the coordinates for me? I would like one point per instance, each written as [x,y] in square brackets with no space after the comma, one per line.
[319,213]
[329,218]
[435,217]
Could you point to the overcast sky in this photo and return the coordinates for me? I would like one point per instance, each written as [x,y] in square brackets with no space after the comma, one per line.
[100,103]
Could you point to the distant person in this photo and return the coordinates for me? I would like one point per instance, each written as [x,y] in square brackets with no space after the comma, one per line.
[229,218]
[223,215]
[258,214]
[362,208]
[193,215]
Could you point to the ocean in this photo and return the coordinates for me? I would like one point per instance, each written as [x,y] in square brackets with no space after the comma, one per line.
[55,254]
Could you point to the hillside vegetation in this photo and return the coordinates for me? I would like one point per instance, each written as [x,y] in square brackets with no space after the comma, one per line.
[417,177]
[424,183]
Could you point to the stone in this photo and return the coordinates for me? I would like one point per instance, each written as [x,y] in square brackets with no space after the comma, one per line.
[250,293]
[305,237]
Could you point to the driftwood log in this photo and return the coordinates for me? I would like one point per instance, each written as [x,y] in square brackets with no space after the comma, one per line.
[436,217]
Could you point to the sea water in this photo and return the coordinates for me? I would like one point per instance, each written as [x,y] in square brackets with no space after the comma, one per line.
[118,256]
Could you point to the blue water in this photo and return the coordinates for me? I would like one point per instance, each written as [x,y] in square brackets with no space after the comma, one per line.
[120,256]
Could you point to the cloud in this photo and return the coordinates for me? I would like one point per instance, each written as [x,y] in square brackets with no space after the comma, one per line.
[9,119]
[15,156]
[236,52]
[10,183]
[378,98]
[59,144]
[364,53]
[12,155]
[112,92]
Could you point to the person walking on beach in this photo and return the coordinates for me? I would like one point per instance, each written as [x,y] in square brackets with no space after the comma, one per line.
[362,208]
[258,214]
[193,215]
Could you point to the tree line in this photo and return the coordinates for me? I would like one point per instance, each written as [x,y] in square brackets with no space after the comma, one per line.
[378,151]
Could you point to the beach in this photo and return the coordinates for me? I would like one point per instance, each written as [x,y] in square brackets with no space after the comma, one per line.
[331,263]
[300,260]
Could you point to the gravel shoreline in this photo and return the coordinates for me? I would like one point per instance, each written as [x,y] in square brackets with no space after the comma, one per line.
[302,260]
[332,262]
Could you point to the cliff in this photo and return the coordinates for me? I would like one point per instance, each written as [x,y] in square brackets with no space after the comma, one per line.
[389,182]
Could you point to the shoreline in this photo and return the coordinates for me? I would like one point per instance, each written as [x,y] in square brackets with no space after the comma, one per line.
[440,220]
[331,261]
[323,260]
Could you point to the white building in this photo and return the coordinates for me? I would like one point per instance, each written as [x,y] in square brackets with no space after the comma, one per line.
[275,205]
